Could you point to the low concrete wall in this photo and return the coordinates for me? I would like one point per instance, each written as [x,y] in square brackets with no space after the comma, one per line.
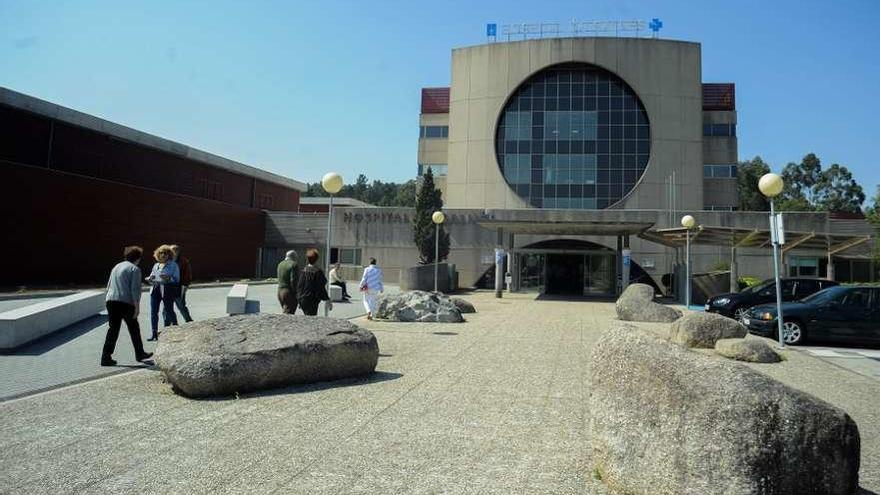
[22,325]
[421,277]
[236,300]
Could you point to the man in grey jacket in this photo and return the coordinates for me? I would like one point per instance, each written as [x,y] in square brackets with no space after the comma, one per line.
[123,303]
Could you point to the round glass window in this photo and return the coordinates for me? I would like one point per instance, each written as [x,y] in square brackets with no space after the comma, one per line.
[573,136]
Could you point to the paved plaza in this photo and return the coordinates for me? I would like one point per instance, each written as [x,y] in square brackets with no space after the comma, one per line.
[73,354]
[494,405]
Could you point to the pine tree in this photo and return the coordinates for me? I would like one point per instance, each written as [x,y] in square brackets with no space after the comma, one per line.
[427,202]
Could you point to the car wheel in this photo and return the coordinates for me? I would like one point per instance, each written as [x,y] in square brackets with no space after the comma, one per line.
[739,314]
[793,332]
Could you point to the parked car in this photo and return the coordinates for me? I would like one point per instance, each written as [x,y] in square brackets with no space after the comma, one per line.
[735,304]
[848,314]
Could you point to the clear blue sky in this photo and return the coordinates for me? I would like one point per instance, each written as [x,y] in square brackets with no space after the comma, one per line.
[304,87]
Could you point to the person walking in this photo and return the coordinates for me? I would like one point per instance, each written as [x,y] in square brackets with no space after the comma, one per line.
[288,273]
[338,280]
[165,278]
[311,288]
[123,302]
[371,285]
[185,280]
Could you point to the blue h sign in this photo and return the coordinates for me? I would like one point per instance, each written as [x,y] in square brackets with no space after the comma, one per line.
[491,29]
[655,24]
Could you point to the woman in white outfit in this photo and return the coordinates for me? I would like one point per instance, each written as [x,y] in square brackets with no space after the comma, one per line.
[371,286]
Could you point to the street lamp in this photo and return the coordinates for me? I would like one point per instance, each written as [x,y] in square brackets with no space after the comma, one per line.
[687,222]
[771,185]
[438,217]
[332,183]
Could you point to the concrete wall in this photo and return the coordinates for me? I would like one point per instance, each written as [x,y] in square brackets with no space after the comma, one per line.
[665,74]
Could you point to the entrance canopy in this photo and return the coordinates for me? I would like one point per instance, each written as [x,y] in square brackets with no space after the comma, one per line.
[746,237]
[568,222]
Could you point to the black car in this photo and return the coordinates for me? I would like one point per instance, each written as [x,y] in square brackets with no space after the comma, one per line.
[848,314]
[735,304]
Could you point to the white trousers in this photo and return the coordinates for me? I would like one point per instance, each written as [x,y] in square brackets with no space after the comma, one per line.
[370,300]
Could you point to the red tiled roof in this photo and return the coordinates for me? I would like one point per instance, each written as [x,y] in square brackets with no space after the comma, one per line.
[719,96]
[435,100]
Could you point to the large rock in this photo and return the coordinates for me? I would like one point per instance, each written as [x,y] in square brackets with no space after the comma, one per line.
[667,420]
[419,306]
[703,330]
[240,353]
[637,304]
[463,305]
[751,350]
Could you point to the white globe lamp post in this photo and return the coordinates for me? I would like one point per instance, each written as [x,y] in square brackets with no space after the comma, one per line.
[332,183]
[688,223]
[771,185]
[438,218]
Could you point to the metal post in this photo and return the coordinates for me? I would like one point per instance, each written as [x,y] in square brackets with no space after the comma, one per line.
[687,269]
[775,236]
[329,238]
[436,253]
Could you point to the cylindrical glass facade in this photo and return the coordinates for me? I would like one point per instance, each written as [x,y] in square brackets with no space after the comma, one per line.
[573,136]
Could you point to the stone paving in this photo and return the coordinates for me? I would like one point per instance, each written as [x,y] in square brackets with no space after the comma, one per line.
[494,405]
[73,354]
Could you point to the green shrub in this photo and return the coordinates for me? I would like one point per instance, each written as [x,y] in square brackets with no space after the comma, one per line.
[746,281]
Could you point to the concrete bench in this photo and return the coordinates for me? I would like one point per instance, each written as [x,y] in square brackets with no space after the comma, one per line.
[335,293]
[22,325]
[236,300]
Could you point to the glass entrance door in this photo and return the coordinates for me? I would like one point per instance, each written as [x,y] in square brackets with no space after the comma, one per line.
[598,274]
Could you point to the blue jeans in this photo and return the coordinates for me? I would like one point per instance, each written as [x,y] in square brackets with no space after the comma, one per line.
[180,302]
[166,298]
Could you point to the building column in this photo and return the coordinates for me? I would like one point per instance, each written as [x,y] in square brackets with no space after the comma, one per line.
[734,270]
[499,262]
[619,265]
[830,269]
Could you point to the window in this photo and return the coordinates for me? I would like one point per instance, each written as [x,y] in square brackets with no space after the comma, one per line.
[719,130]
[438,169]
[803,267]
[573,136]
[434,131]
[719,171]
[346,256]
[805,287]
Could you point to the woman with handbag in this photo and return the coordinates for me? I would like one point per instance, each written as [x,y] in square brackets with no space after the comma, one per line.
[371,285]
[165,279]
[311,288]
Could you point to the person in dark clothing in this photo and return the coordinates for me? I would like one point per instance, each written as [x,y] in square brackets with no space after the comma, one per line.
[185,280]
[311,287]
[288,273]
[123,303]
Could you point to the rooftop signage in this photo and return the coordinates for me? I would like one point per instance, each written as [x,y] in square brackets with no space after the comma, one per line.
[527,30]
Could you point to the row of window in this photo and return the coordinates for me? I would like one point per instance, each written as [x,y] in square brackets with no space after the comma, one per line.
[722,130]
[434,131]
[437,169]
[346,256]
[578,103]
[719,171]
[570,125]
[602,146]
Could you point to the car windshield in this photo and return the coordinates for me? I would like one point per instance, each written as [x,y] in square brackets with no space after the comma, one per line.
[758,287]
[825,295]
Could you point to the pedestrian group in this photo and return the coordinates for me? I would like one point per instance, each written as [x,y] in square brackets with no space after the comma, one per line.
[171,276]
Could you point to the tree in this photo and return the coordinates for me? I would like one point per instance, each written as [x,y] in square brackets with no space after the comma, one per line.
[748,174]
[809,188]
[376,193]
[427,202]
[836,190]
